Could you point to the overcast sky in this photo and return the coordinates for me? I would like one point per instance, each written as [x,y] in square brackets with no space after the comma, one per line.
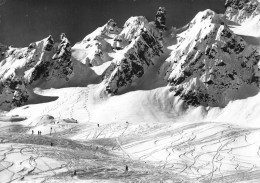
[25,21]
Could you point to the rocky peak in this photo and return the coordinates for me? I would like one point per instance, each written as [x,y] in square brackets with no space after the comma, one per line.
[3,49]
[241,11]
[63,49]
[111,27]
[106,30]
[210,63]
[62,66]
[97,45]
[133,28]
[138,44]
[24,68]
[48,44]
[160,18]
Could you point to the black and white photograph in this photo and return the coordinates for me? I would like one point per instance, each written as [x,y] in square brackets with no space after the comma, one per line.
[129,91]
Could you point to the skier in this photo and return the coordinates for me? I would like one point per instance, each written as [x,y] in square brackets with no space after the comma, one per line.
[126,168]
[32,132]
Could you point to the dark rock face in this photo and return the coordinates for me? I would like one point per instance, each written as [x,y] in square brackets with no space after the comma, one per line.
[160,18]
[237,4]
[13,93]
[3,49]
[49,44]
[240,10]
[42,68]
[62,67]
[207,68]
[58,66]
[137,55]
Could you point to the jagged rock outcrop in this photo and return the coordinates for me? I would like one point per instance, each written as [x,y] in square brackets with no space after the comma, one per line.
[55,62]
[13,92]
[62,67]
[138,44]
[160,18]
[15,73]
[25,68]
[241,11]
[3,49]
[95,47]
[210,64]
[40,67]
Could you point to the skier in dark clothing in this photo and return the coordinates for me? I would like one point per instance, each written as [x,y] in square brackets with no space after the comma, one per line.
[126,168]
[32,132]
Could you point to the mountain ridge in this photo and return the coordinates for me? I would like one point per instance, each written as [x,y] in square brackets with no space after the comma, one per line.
[207,69]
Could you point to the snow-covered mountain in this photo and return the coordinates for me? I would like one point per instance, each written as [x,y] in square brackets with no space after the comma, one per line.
[210,65]
[125,53]
[97,45]
[41,62]
[139,44]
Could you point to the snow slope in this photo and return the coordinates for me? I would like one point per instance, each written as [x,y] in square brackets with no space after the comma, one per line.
[249,31]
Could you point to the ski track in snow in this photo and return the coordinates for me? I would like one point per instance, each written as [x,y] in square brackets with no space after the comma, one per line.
[28,162]
[208,159]
[202,152]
